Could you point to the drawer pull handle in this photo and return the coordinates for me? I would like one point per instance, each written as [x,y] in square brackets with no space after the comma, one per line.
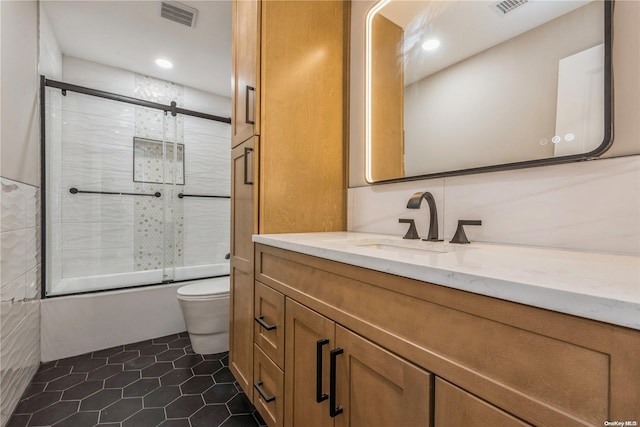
[247,151]
[260,319]
[320,396]
[249,106]
[333,409]
[263,394]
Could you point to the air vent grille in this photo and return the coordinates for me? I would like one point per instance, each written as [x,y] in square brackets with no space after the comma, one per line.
[179,13]
[507,6]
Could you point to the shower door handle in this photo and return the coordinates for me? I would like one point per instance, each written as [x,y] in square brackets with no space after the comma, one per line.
[248,151]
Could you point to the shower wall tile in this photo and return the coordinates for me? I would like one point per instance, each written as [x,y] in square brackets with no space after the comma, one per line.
[14,290]
[95,180]
[79,154]
[97,207]
[13,256]
[204,210]
[98,76]
[19,290]
[91,128]
[95,235]
[98,107]
[205,253]
[94,262]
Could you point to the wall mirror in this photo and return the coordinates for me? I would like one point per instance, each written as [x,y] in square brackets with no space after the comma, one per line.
[455,87]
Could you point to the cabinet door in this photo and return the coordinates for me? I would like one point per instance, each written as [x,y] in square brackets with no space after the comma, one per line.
[241,304]
[455,407]
[304,328]
[377,388]
[246,33]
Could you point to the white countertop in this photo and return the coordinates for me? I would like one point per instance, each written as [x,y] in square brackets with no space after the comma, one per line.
[597,286]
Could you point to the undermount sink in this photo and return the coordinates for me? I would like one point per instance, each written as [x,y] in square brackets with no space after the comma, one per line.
[416,247]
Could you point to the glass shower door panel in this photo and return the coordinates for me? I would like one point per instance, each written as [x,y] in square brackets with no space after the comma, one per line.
[206,205]
[93,202]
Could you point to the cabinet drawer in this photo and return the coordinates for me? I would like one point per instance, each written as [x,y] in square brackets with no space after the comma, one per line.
[455,407]
[268,381]
[269,327]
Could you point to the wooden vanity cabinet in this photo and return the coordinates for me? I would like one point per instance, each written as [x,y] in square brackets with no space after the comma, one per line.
[372,386]
[289,127]
[493,362]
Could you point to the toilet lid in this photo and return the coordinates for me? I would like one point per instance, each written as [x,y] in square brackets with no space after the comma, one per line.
[205,288]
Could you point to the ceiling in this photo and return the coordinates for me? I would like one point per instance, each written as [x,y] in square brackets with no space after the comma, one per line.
[131,35]
[464,28]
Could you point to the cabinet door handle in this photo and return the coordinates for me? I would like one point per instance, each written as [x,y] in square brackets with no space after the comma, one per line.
[263,394]
[260,319]
[320,396]
[333,409]
[246,105]
[247,151]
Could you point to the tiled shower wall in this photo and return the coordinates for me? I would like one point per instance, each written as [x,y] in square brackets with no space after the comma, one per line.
[101,234]
[20,290]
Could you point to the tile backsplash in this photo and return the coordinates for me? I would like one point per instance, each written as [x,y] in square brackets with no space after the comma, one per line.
[590,206]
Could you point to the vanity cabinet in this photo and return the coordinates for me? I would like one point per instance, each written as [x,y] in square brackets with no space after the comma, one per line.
[289,122]
[407,343]
[334,377]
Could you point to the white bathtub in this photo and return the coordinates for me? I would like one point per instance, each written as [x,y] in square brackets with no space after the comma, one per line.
[78,324]
[135,278]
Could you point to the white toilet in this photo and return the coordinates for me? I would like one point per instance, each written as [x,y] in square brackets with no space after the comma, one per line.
[205,307]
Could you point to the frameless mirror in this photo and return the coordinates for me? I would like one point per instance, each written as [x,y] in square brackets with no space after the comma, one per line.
[457,87]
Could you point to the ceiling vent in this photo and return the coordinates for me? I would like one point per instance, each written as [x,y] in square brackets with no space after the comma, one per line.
[177,12]
[506,6]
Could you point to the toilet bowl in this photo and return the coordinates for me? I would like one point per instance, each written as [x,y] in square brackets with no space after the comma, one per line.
[205,307]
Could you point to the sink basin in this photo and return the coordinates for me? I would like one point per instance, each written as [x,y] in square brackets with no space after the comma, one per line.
[400,246]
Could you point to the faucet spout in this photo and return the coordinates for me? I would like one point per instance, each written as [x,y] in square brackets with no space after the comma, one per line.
[414,203]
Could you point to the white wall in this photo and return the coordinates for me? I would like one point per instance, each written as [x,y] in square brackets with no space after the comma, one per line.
[19,202]
[101,234]
[589,205]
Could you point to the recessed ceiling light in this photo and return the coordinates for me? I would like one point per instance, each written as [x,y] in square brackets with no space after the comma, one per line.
[431,44]
[164,63]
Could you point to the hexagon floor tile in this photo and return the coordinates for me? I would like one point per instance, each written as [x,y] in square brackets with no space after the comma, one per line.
[159,382]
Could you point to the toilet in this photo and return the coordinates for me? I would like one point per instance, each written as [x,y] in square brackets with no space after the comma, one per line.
[205,307]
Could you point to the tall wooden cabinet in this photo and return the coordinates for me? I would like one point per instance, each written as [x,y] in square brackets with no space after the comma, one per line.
[289,127]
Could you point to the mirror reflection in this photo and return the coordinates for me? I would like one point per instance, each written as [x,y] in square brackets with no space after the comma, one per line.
[458,85]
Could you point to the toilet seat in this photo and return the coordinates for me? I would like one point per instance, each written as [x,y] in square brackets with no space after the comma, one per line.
[204,290]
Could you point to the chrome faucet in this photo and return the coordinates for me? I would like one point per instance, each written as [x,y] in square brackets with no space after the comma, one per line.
[414,203]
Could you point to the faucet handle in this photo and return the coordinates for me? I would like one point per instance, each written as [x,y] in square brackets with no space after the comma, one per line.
[412,233]
[460,236]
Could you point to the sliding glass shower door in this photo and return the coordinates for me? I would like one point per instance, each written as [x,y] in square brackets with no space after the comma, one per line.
[133,195]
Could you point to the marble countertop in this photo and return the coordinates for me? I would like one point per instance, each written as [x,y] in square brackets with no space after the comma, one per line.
[604,287]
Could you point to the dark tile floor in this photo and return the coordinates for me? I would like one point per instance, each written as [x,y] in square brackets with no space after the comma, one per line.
[158,382]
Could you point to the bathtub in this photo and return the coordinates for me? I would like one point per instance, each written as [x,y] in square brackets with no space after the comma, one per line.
[78,324]
[135,278]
